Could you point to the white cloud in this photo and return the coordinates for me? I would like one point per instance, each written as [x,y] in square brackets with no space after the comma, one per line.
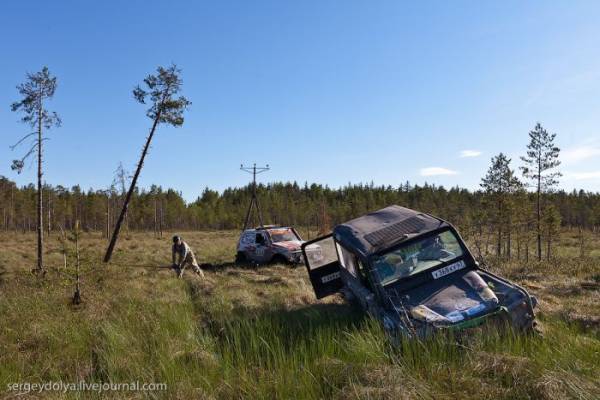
[470,153]
[436,171]
[579,176]
[575,154]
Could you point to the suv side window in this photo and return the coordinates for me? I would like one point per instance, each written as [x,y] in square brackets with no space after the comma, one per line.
[352,264]
[347,260]
[260,238]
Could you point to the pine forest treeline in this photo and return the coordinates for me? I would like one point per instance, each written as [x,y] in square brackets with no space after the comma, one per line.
[315,206]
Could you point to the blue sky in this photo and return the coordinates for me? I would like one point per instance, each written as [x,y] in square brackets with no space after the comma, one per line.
[323,91]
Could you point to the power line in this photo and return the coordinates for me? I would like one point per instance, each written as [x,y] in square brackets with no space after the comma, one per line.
[254,170]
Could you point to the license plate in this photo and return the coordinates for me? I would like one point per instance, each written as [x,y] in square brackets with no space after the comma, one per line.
[448,269]
[330,277]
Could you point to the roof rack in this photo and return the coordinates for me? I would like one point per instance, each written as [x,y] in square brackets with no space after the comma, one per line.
[268,227]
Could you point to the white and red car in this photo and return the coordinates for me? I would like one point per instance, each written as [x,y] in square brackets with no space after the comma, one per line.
[278,244]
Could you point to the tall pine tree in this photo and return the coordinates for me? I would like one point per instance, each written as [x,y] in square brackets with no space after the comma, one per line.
[499,185]
[38,88]
[540,161]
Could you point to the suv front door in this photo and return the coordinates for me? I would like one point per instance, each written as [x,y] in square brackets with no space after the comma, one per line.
[323,271]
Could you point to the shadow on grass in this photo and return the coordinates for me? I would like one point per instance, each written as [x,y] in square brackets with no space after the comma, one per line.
[147,266]
[276,336]
[223,266]
[304,321]
[214,267]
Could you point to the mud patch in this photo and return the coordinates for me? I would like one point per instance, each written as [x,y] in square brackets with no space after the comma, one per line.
[274,280]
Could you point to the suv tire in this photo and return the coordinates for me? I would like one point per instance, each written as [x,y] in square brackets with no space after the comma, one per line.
[279,259]
[240,258]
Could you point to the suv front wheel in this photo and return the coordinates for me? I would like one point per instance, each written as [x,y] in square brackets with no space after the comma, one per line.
[279,259]
[240,257]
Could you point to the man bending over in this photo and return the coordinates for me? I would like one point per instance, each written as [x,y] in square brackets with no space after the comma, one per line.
[186,256]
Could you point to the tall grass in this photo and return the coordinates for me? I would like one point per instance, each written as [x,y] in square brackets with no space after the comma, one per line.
[261,334]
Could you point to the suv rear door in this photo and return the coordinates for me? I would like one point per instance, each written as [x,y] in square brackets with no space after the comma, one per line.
[262,251]
[324,270]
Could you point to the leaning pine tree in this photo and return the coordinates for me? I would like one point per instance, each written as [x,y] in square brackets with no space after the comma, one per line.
[38,88]
[542,157]
[162,90]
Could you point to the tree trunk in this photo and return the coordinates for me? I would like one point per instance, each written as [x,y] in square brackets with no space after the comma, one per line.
[49,215]
[108,216]
[160,220]
[77,294]
[581,243]
[11,209]
[499,243]
[518,239]
[539,211]
[155,218]
[508,238]
[40,224]
[115,236]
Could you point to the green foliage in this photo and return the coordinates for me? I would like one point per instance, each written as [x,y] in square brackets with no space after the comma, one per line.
[162,89]
[305,206]
[38,88]
[500,179]
[500,185]
[541,158]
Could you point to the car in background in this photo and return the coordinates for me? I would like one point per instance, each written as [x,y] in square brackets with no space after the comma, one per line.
[272,244]
[414,273]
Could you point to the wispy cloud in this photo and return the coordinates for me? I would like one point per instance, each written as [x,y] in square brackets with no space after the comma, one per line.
[436,171]
[470,153]
[580,153]
[580,176]
[568,86]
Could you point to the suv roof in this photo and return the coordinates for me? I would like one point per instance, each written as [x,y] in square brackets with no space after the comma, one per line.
[266,227]
[384,228]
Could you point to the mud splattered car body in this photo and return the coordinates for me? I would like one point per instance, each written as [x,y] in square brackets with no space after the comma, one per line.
[414,273]
[272,244]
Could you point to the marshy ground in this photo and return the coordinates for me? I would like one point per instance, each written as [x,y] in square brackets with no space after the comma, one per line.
[260,333]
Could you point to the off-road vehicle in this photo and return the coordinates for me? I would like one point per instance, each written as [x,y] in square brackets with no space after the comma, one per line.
[414,273]
[271,243]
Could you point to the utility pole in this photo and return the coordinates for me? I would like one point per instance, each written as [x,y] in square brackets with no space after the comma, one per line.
[108,216]
[254,170]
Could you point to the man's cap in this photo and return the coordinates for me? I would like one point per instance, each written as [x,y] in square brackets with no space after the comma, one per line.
[176,239]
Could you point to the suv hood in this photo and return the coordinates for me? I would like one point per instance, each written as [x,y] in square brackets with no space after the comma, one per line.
[452,299]
[291,245]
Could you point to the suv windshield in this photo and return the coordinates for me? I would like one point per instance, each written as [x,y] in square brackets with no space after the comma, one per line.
[282,235]
[415,257]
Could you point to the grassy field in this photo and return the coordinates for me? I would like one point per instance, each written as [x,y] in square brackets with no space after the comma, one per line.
[260,333]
